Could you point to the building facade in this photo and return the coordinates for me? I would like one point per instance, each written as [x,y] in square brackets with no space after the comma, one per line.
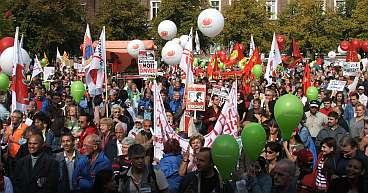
[275,7]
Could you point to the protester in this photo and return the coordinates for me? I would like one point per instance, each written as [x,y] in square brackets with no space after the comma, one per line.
[332,130]
[38,171]
[284,177]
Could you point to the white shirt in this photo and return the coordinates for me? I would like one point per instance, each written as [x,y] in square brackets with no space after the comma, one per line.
[363,99]
[120,147]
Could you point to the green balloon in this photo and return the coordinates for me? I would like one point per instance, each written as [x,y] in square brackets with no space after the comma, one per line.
[257,70]
[43,62]
[4,82]
[253,138]
[221,65]
[77,90]
[225,155]
[312,93]
[288,113]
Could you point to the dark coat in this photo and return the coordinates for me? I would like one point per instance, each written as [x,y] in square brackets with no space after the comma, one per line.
[63,184]
[111,149]
[42,178]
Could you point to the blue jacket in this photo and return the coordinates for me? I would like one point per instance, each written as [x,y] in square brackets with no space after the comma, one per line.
[169,165]
[84,173]
[307,140]
[348,112]
[175,105]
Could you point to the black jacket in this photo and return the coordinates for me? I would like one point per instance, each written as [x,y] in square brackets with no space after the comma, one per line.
[111,149]
[42,178]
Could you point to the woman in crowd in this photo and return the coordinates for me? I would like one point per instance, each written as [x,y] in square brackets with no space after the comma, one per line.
[273,153]
[325,164]
[258,179]
[274,135]
[170,164]
[106,131]
[356,124]
[212,113]
[353,182]
[188,164]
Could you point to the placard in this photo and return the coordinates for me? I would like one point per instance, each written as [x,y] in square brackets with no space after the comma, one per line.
[351,68]
[336,85]
[196,97]
[147,65]
[48,72]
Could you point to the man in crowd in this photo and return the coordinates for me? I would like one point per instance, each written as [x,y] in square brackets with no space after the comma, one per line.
[87,129]
[38,171]
[333,130]
[114,148]
[284,177]
[93,161]
[315,120]
[142,177]
[67,159]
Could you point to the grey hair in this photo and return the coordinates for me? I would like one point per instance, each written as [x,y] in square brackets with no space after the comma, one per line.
[129,141]
[122,125]
[94,138]
[288,165]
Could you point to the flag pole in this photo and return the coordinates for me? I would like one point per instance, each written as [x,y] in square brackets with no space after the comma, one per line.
[105,74]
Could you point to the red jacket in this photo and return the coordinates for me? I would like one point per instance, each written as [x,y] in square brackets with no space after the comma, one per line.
[88,131]
[325,111]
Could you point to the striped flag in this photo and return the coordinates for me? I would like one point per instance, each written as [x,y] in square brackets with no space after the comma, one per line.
[95,74]
[19,88]
[87,48]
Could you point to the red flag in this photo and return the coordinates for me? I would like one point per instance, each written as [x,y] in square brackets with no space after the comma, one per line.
[306,78]
[255,59]
[295,53]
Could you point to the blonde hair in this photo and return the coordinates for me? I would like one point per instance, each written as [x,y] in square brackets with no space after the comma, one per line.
[108,121]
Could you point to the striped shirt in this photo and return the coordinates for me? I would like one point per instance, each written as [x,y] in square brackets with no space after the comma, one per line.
[321,180]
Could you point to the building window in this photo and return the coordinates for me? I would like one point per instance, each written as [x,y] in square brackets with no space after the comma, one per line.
[340,5]
[155,5]
[271,6]
[215,4]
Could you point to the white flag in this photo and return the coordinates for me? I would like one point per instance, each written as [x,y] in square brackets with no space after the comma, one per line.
[37,68]
[187,59]
[95,74]
[59,59]
[252,46]
[274,59]
[198,45]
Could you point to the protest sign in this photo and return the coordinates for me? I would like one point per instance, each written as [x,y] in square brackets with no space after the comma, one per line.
[147,65]
[196,97]
[336,85]
[220,91]
[351,68]
[48,72]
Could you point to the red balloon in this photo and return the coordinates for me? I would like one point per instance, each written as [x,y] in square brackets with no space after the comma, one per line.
[6,43]
[364,46]
[355,44]
[280,41]
[344,45]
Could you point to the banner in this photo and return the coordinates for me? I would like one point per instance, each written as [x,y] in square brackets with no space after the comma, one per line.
[196,96]
[147,66]
[220,91]
[48,72]
[337,85]
[351,68]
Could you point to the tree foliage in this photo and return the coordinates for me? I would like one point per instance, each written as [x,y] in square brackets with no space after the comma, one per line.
[48,24]
[184,14]
[6,20]
[244,18]
[124,19]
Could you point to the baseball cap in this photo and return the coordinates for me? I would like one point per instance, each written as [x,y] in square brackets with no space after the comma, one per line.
[314,103]
[361,87]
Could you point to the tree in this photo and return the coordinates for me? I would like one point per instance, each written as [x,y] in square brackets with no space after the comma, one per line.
[184,14]
[48,24]
[6,20]
[124,19]
[316,29]
[359,20]
[244,18]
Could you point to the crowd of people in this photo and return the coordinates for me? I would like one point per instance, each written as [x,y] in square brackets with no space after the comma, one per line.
[106,145]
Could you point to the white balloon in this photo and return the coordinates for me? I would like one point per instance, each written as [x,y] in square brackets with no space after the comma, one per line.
[6,60]
[176,40]
[210,22]
[134,46]
[340,50]
[171,53]
[331,55]
[183,40]
[167,30]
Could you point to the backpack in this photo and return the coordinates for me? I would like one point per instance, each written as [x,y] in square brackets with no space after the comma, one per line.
[124,181]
